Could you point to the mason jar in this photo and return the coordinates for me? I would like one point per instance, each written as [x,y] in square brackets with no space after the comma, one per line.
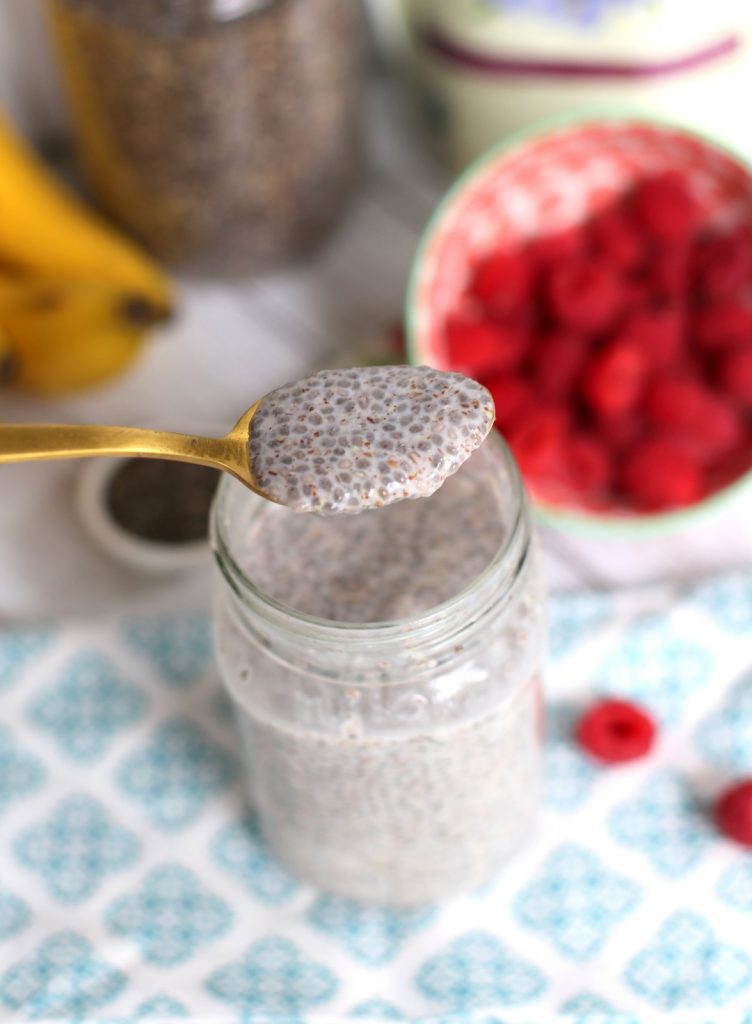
[390,761]
[224,134]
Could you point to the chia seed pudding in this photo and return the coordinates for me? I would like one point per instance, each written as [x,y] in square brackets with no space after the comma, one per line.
[384,671]
[352,439]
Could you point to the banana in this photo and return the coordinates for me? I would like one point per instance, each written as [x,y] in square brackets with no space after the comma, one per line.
[64,336]
[46,230]
[6,360]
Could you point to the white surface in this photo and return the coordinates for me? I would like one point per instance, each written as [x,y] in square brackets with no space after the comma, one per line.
[231,344]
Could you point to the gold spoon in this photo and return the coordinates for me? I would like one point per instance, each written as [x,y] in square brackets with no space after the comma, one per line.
[34,442]
[291,428]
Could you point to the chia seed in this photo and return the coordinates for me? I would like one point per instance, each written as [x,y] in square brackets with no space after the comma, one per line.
[164,502]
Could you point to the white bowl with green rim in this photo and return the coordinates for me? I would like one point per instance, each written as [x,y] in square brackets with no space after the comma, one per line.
[541,181]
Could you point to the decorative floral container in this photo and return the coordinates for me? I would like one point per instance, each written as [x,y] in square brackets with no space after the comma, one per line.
[483,68]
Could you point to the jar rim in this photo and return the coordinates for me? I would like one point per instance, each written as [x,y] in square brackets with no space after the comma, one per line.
[423,625]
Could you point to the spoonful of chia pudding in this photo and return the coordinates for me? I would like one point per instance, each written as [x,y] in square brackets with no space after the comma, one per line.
[341,440]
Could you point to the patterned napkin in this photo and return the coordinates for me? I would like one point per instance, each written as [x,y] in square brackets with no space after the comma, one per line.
[134,885]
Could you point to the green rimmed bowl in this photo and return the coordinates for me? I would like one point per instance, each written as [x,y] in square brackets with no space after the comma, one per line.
[545,180]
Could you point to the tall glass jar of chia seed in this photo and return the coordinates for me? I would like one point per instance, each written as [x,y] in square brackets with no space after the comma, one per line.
[222,133]
[384,670]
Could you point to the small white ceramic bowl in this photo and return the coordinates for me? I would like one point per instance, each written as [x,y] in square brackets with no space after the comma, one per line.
[147,556]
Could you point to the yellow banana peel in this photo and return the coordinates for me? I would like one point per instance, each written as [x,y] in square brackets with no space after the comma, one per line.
[46,230]
[63,336]
[6,360]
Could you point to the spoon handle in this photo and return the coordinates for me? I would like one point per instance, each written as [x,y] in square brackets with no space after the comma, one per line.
[33,442]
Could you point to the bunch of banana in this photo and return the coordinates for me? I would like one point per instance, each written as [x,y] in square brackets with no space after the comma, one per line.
[76,298]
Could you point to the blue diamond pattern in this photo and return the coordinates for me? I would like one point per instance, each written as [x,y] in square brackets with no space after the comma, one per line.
[176,773]
[568,775]
[178,646]
[14,915]
[666,823]
[87,707]
[574,615]
[20,773]
[76,848]
[159,1007]
[586,1004]
[241,851]
[687,967]
[728,599]
[273,978]
[735,885]
[376,1009]
[171,916]
[656,666]
[724,738]
[371,934]
[575,902]
[477,970]
[18,649]
[62,980]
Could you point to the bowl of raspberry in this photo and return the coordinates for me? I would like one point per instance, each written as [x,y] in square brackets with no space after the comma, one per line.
[597,278]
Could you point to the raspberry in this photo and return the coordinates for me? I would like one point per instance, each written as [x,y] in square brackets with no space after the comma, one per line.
[735,465]
[638,293]
[476,347]
[723,325]
[675,401]
[613,381]
[665,207]
[733,812]
[735,375]
[537,442]
[558,359]
[617,240]
[566,245]
[722,264]
[584,295]
[587,466]
[699,420]
[668,270]
[502,283]
[619,431]
[659,474]
[659,332]
[513,397]
[615,731]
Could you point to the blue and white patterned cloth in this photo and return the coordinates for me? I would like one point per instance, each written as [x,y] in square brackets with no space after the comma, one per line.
[134,885]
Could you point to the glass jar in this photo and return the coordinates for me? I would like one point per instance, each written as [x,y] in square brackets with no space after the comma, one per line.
[222,133]
[394,762]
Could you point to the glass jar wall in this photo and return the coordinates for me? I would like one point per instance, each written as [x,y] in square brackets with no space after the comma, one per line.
[393,759]
[222,133]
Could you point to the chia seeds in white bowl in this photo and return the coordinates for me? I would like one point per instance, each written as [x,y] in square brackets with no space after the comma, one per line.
[346,440]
